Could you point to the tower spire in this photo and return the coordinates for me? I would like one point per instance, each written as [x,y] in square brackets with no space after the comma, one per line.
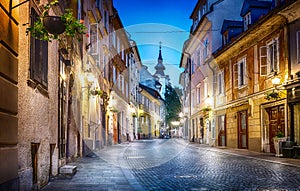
[160,56]
[160,67]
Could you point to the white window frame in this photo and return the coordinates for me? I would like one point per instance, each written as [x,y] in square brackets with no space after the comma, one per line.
[221,83]
[198,94]
[114,74]
[273,56]
[269,58]
[240,73]
[247,20]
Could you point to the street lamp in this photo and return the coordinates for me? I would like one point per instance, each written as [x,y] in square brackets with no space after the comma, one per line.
[276,80]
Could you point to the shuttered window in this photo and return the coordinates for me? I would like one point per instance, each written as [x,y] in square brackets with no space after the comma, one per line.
[38,57]
[269,58]
[240,74]
[263,61]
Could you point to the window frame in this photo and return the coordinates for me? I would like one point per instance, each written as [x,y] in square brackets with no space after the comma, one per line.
[240,73]
[298,46]
[247,20]
[38,56]
[221,90]
[267,60]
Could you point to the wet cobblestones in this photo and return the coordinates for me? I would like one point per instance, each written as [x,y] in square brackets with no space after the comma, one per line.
[205,169]
[173,164]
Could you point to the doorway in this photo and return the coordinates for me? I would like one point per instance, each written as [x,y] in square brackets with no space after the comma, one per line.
[34,159]
[276,123]
[222,130]
[242,130]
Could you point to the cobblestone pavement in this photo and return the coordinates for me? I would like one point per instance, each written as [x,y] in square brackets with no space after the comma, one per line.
[174,164]
[168,165]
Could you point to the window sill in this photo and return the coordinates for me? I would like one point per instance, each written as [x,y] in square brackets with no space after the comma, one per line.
[39,87]
[242,87]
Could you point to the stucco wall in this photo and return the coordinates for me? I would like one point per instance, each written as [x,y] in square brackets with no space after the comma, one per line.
[37,112]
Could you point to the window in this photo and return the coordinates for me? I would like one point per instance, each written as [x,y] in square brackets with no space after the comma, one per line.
[118,45]
[269,58]
[114,74]
[225,38]
[106,20]
[205,50]
[298,46]
[221,82]
[247,20]
[205,89]
[121,83]
[113,38]
[198,94]
[38,57]
[94,39]
[193,66]
[199,57]
[240,79]
[193,98]
[99,4]
[123,52]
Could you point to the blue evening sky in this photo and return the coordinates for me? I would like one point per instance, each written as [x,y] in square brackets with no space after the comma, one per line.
[152,21]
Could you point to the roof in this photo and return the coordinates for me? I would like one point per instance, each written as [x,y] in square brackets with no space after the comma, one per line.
[231,24]
[151,91]
[250,4]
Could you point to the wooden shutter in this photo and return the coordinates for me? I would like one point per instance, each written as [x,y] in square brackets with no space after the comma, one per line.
[235,75]
[263,61]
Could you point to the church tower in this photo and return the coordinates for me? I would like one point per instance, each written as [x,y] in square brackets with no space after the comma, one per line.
[160,74]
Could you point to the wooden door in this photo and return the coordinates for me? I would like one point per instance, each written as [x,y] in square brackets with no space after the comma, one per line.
[222,130]
[34,160]
[242,130]
[115,128]
[276,123]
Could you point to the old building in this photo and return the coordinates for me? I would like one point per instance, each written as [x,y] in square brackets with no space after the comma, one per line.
[291,13]
[207,19]
[256,108]
[135,66]
[120,110]
[9,96]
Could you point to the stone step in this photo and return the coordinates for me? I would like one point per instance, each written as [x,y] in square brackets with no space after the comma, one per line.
[68,170]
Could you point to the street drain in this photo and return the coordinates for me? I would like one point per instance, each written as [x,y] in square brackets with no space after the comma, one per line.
[186,176]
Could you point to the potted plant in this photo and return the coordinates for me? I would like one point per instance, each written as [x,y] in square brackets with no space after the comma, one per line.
[277,143]
[206,109]
[96,92]
[48,27]
[272,95]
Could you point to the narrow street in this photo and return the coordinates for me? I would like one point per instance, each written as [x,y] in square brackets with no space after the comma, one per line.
[173,164]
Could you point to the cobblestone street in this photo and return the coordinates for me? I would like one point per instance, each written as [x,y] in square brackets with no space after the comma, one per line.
[173,164]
